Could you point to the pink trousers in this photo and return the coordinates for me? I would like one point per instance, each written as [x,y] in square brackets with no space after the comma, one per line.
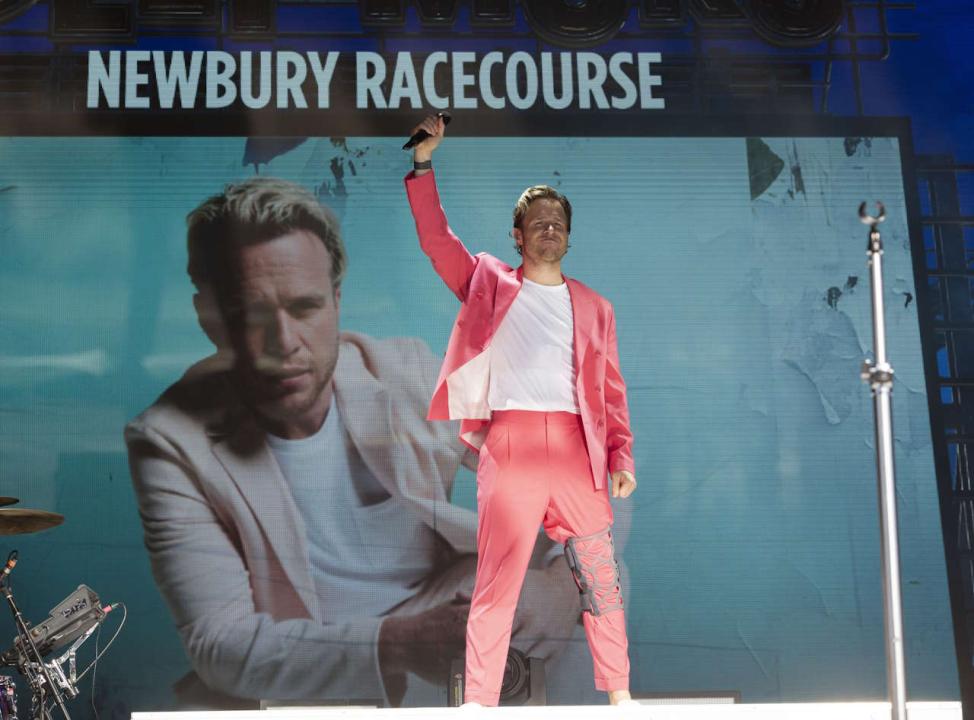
[534,469]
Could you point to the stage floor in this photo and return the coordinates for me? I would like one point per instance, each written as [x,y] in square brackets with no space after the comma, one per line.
[766,711]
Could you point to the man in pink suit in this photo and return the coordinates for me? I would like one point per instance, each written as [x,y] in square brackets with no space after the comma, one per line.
[532,372]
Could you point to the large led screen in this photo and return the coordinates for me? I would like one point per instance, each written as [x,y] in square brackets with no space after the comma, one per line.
[736,267]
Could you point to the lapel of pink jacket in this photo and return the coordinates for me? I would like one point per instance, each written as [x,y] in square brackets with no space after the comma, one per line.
[583,320]
[508,286]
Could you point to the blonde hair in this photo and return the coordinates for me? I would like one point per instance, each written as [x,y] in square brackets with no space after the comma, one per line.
[253,211]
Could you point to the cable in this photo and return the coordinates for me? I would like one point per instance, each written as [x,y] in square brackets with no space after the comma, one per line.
[46,709]
[125,612]
[94,674]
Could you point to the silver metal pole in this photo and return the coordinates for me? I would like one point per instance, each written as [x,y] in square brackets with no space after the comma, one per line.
[879,375]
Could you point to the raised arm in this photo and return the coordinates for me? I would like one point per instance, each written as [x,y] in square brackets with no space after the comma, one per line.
[451,259]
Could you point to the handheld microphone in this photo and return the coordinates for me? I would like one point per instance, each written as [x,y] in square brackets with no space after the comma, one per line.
[421,135]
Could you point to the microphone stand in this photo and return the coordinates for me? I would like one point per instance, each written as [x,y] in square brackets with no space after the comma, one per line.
[28,647]
[879,375]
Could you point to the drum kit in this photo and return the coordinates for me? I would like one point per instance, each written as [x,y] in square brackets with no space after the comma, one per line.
[52,680]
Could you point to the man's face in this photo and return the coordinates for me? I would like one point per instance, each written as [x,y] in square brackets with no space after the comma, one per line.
[543,235]
[284,330]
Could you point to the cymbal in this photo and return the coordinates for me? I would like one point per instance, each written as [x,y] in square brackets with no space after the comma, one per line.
[4,500]
[16,521]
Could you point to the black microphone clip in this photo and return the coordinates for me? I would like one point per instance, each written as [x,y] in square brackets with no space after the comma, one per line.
[11,563]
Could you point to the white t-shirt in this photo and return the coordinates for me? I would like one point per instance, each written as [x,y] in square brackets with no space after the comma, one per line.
[531,355]
[368,553]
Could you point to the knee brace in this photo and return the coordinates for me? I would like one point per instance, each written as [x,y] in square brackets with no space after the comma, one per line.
[593,565]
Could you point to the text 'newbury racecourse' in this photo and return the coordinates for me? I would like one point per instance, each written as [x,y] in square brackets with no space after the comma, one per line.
[286,79]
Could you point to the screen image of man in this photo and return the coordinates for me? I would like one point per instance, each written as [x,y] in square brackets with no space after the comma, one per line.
[295,502]
[532,371]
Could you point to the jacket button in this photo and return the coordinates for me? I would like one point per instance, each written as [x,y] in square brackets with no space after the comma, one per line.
[459,323]
[480,294]
[598,353]
[600,423]
[598,388]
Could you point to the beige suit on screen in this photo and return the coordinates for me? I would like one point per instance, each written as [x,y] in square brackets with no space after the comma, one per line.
[227,542]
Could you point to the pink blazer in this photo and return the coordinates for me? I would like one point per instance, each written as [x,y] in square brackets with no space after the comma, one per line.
[486,288]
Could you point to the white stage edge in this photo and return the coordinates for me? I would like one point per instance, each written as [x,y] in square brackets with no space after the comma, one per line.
[764,711]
